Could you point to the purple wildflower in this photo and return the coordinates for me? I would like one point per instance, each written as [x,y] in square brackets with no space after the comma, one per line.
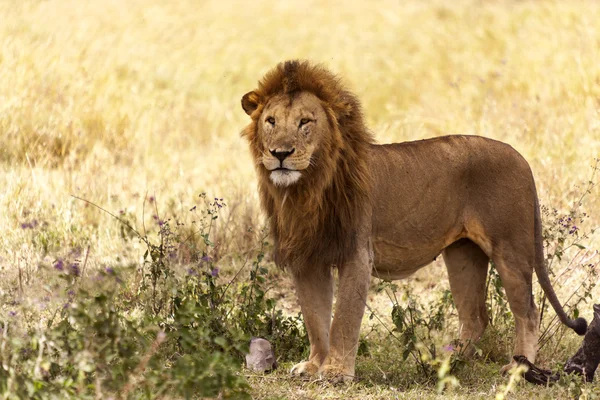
[30,225]
[214,272]
[74,269]
[192,271]
[59,265]
[206,258]
[12,313]
[449,348]
[109,270]
[218,202]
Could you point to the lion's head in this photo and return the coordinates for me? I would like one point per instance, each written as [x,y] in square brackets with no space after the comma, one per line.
[290,130]
[310,146]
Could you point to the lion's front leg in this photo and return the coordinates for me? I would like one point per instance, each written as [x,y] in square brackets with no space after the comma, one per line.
[354,278]
[314,288]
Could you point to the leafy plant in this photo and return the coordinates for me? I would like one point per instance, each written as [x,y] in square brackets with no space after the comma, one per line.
[165,327]
[420,330]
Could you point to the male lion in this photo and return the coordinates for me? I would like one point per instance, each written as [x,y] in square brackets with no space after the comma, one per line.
[336,199]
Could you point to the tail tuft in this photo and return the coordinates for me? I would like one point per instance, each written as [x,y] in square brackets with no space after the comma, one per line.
[579,326]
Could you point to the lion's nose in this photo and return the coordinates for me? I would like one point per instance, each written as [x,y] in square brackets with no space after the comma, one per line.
[282,155]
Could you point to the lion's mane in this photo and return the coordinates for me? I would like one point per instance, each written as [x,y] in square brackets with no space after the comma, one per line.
[315,222]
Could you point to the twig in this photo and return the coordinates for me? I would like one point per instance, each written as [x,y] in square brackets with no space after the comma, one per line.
[87,253]
[31,168]
[141,367]
[144,213]
[121,220]
[20,280]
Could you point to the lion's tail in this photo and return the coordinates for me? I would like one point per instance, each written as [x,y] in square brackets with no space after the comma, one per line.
[579,325]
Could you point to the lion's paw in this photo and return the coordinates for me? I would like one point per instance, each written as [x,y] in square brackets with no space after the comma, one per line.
[336,373]
[305,368]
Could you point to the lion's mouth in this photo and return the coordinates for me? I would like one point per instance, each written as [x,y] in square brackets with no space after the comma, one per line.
[284,176]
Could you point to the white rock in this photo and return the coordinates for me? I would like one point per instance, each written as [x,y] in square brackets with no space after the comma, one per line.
[261,357]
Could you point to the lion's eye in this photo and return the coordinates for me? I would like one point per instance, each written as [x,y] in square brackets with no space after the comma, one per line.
[271,121]
[303,122]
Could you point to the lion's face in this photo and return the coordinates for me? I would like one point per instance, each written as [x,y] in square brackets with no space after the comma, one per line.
[290,129]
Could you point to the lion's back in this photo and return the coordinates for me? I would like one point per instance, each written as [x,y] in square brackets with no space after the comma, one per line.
[450,160]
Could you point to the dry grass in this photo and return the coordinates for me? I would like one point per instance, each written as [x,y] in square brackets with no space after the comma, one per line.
[112,101]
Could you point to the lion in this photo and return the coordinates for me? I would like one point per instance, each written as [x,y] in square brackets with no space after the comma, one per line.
[335,199]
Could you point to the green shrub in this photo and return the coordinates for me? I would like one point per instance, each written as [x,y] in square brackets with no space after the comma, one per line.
[161,329]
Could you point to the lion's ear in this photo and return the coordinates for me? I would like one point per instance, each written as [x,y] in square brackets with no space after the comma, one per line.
[346,106]
[250,102]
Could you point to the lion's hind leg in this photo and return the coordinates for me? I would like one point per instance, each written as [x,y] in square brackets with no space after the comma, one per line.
[467,268]
[516,270]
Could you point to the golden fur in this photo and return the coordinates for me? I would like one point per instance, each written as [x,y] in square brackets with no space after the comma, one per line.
[338,183]
[334,198]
